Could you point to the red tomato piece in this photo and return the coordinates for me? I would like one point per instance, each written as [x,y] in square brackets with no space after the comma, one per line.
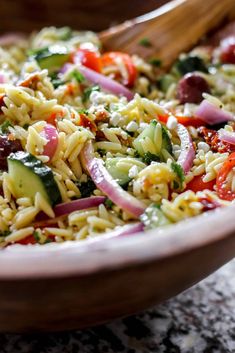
[184,120]
[110,59]
[227,54]
[52,119]
[28,240]
[208,203]
[223,190]
[211,137]
[197,184]
[89,58]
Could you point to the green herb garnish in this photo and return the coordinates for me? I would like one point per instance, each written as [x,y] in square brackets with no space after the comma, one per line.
[145,42]
[36,236]
[4,127]
[5,233]
[77,76]
[155,62]
[87,92]
[177,169]
[150,157]
[108,203]
[86,188]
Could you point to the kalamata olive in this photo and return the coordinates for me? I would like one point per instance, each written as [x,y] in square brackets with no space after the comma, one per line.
[227,50]
[191,87]
[7,146]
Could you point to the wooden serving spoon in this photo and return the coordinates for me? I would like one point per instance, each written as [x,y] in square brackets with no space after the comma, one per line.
[169,30]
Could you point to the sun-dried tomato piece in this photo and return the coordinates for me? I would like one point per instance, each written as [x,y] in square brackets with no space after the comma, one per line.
[7,146]
[211,137]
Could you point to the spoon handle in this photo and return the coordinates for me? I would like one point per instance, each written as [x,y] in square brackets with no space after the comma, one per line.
[167,31]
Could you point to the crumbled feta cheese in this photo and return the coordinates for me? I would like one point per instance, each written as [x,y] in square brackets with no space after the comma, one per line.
[171,123]
[132,126]
[96,97]
[133,171]
[115,118]
[203,146]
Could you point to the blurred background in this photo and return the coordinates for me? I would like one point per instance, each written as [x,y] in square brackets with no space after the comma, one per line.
[27,15]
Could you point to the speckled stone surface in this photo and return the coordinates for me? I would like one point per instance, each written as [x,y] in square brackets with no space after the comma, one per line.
[200,320]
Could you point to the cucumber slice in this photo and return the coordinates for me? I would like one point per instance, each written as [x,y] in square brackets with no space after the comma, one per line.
[147,132]
[119,175]
[165,81]
[53,57]
[119,168]
[153,217]
[29,176]
[164,142]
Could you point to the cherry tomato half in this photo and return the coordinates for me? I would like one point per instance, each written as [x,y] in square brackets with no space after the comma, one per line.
[28,240]
[223,190]
[197,184]
[89,58]
[184,120]
[110,59]
[227,54]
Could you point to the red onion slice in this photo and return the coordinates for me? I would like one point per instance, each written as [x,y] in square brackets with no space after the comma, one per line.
[211,114]
[77,205]
[66,208]
[108,185]
[187,153]
[126,230]
[11,38]
[227,136]
[106,83]
[51,134]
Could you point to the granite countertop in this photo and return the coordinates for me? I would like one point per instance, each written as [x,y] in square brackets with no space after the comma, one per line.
[200,320]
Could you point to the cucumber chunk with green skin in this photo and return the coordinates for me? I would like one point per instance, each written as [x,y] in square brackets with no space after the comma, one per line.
[164,142]
[53,57]
[165,82]
[29,176]
[120,174]
[153,217]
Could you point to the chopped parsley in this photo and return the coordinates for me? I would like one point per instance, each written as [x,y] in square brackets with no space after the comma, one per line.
[87,92]
[150,157]
[155,62]
[56,80]
[109,203]
[77,76]
[83,111]
[86,188]
[26,126]
[189,64]
[36,236]
[177,169]
[4,127]
[145,42]
[5,233]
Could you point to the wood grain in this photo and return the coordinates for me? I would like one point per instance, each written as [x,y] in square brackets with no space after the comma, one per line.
[27,15]
[173,28]
[115,279]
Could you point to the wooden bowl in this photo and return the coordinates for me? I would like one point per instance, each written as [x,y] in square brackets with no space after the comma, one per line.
[27,15]
[75,285]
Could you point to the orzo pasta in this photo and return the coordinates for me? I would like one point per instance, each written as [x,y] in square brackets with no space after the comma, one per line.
[94,142]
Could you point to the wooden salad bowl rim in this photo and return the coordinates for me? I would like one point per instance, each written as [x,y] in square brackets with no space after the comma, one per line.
[91,256]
